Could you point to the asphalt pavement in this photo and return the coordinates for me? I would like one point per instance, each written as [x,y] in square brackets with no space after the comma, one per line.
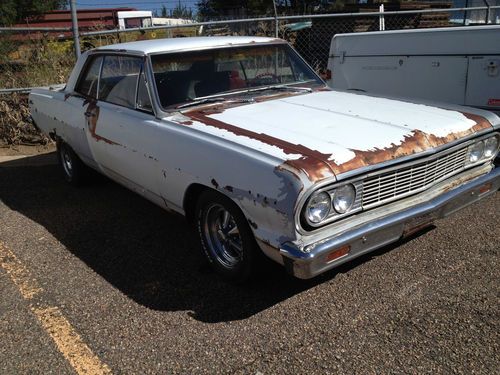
[99,280]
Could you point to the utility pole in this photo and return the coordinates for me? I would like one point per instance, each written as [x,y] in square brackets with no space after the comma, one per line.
[76,37]
[275,20]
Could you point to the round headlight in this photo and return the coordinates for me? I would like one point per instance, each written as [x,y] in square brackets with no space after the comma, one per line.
[476,152]
[343,198]
[318,207]
[490,147]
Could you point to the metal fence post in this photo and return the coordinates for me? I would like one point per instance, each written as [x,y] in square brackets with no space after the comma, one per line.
[381,19]
[74,20]
[465,13]
[487,20]
[275,20]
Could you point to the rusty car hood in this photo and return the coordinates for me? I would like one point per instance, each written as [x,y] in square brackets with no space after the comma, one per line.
[327,133]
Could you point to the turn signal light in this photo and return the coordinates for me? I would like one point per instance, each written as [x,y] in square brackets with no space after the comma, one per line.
[336,254]
[485,188]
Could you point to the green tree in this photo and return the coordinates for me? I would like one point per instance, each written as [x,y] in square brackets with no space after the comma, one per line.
[208,9]
[181,11]
[164,12]
[16,11]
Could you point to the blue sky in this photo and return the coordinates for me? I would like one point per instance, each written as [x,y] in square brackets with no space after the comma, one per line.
[139,4]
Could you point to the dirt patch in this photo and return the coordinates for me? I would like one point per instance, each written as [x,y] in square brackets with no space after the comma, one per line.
[26,150]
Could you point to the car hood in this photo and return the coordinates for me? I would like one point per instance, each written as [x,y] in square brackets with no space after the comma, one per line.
[328,133]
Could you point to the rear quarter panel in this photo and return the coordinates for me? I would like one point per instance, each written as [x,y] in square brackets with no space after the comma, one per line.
[56,112]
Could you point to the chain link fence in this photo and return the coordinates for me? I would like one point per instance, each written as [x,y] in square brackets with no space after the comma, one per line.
[312,36]
[32,57]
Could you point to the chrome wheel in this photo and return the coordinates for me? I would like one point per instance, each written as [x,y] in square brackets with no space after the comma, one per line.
[222,236]
[66,161]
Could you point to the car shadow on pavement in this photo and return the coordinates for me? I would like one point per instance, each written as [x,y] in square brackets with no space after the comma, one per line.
[148,254]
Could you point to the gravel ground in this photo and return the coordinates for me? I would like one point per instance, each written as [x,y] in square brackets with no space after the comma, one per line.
[129,278]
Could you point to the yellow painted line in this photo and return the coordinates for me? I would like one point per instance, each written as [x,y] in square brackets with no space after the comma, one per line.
[18,273]
[69,342]
[66,338]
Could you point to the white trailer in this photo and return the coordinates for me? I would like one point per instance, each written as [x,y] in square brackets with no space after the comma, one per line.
[162,21]
[459,65]
[134,18]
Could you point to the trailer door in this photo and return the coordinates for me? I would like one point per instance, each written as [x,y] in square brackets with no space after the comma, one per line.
[483,82]
[439,78]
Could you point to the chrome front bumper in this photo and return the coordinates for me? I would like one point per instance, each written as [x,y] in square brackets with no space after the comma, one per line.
[307,259]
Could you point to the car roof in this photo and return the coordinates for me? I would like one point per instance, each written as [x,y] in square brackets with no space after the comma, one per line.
[191,43]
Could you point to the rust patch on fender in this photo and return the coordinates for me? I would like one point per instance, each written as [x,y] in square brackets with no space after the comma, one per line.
[293,172]
[316,169]
[482,123]
[312,162]
[417,142]
[91,117]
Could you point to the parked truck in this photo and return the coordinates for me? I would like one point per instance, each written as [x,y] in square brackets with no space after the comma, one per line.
[458,65]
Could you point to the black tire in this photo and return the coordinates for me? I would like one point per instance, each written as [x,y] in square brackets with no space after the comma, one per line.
[221,249]
[74,171]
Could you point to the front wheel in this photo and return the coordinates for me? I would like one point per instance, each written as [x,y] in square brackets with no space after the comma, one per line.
[226,238]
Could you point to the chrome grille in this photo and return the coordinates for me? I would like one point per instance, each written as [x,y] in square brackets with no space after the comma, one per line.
[398,183]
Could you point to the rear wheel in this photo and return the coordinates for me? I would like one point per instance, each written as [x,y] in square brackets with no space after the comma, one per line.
[226,238]
[74,171]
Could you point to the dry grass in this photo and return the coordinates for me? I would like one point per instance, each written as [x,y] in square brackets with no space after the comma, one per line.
[16,125]
[35,62]
[39,62]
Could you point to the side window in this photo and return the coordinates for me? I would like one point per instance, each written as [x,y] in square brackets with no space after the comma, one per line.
[119,80]
[143,99]
[88,82]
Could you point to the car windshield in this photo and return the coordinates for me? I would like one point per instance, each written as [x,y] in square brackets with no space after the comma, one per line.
[186,77]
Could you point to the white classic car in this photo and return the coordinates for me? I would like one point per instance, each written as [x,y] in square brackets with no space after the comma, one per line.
[243,138]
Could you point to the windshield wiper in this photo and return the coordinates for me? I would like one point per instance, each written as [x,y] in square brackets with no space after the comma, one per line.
[281,87]
[201,101]
[214,100]
[241,100]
